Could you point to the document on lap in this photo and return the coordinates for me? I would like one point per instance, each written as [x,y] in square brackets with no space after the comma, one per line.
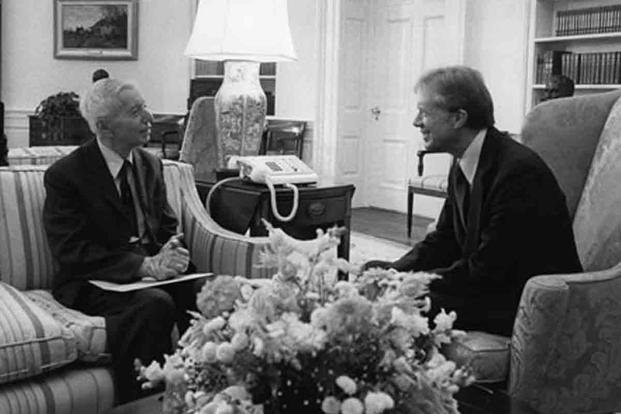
[145,283]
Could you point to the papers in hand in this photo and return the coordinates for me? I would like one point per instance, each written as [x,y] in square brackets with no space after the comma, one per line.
[145,283]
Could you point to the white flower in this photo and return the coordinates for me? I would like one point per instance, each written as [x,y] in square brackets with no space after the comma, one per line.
[237,392]
[208,352]
[276,329]
[352,406]
[345,289]
[377,402]
[444,321]
[331,405]
[347,384]
[240,319]
[417,325]
[225,353]
[215,324]
[259,345]
[154,372]
[319,318]
[246,292]
[239,341]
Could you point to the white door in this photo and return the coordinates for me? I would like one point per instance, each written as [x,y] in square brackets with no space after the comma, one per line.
[407,37]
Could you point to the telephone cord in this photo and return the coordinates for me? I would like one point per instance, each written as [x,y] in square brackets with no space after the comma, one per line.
[294,208]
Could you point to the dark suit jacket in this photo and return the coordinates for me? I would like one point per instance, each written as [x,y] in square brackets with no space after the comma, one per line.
[518,227]
[86,227]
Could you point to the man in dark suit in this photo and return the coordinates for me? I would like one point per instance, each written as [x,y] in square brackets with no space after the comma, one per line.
[505,218]
[107,218]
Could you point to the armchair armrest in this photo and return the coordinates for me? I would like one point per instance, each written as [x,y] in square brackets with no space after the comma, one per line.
[212,248]
[567,341]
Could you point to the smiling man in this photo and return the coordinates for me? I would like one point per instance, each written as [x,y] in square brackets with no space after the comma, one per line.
[505,218]
[107,218]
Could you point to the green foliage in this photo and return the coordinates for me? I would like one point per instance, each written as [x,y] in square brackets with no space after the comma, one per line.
[54,107]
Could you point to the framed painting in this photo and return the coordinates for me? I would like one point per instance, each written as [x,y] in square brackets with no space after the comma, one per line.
[96,29]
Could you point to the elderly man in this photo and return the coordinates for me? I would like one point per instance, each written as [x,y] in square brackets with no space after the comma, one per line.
[505,218]
[107,218]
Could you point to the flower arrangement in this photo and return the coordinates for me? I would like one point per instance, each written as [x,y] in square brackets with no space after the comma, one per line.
[304,341]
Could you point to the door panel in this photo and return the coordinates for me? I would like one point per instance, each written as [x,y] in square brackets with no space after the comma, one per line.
[352,92]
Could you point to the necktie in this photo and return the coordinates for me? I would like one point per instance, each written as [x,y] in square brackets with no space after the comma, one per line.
[462,193]
[126,196]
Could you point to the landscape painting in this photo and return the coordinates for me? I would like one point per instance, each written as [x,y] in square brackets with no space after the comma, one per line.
[96,29]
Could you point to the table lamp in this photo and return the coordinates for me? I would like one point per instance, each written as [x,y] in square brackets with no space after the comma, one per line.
[242,33]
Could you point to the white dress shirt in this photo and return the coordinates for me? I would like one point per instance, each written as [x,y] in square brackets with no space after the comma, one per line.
[115,162]
[469,161]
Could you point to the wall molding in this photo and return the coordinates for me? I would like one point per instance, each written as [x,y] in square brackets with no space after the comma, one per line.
[325,139]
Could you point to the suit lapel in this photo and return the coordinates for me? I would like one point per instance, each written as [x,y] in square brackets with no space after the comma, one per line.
[98,172]
[487,160]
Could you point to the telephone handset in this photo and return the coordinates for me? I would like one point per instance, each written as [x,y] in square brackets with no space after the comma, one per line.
[271,170]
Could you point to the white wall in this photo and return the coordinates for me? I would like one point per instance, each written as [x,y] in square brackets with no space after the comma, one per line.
[496,45]
[296,84]
[30,73]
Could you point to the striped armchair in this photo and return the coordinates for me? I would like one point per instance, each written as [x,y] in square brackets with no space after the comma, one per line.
[53,359]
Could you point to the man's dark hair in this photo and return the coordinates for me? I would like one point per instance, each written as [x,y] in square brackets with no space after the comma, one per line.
[100,74]
[461,87]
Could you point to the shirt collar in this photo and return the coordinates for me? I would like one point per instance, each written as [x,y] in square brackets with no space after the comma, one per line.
[113,160]
[469,161]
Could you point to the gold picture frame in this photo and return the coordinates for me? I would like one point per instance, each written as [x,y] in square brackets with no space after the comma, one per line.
[96,29]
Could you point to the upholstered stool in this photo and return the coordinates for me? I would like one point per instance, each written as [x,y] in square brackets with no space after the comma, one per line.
[486,354]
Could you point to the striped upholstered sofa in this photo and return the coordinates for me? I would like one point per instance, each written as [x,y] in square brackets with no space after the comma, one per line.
[53,359]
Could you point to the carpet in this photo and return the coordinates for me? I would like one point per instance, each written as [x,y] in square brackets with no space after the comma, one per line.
[364,247]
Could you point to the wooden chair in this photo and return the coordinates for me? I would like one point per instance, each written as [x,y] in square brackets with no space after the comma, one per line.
[433,185]
[283,137]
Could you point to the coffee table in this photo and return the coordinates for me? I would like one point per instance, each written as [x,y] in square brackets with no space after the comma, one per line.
[472,400]
[147,405]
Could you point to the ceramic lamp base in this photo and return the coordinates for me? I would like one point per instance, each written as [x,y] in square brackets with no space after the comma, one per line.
[240,107]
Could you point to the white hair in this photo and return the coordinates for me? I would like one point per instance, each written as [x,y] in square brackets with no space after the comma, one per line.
[102,100]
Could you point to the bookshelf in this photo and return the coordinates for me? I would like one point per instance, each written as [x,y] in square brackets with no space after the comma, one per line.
[578,38]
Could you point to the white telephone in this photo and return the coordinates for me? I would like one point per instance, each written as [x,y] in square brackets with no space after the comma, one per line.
[273,170]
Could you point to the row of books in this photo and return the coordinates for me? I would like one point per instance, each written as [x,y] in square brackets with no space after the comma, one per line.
[582,68]
[603,19]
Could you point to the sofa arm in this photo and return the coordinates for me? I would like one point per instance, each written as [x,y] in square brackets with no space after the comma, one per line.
[212,248]
[566,344]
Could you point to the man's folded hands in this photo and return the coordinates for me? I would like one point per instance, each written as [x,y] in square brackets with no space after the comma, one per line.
[172,260]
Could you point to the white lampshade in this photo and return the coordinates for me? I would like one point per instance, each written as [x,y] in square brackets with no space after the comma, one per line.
[256,30]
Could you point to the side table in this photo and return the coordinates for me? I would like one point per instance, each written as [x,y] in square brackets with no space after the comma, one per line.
[241,205]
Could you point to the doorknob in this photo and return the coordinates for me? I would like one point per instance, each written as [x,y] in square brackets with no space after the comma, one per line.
[376,111]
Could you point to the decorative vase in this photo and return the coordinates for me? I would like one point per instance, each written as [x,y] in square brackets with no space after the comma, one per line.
[240,107]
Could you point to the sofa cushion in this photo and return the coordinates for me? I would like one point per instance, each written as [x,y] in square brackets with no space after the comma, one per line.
[31,341]
[25,258]
[486,354]
[65,391]
[38,155]
[597,224]
[89,331]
